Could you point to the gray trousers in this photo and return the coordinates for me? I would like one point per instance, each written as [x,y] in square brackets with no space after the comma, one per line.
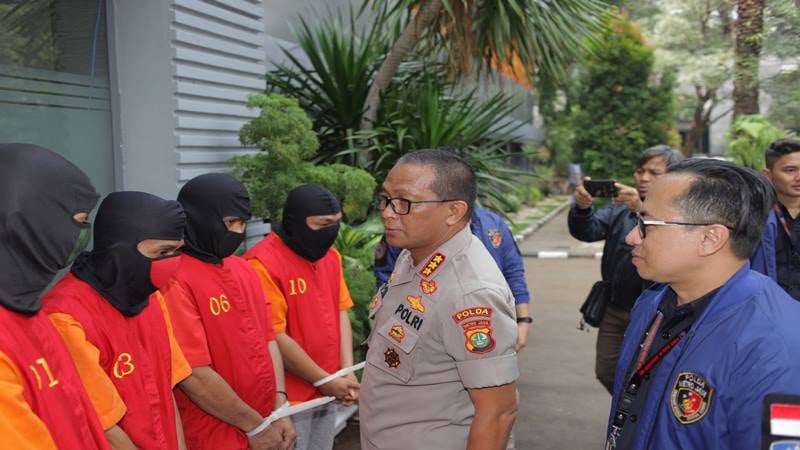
[315,428]
[609,341]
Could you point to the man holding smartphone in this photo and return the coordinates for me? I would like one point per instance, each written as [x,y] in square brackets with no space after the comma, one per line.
[612,223]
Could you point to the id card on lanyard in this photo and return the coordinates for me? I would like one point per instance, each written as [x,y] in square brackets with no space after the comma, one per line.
[641,370]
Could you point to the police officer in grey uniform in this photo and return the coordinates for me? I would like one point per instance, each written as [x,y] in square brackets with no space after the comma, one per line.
[441,364]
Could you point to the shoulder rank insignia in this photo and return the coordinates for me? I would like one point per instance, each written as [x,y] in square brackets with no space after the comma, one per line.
[690,398]
[427,287]
[374,302]
[397,332]
[475,311]
[495,236]
[430,267]
[392,358]
[415,302]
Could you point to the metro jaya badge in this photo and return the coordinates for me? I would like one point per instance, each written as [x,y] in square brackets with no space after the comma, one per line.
[479,340]
[691,397]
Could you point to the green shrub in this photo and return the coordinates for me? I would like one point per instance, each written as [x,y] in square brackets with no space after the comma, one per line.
[623,106]
[357,248]
[283,135]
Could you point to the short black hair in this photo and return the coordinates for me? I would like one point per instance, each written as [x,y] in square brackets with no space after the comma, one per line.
[725,193]
[455,179]
[665,152]
[780,148]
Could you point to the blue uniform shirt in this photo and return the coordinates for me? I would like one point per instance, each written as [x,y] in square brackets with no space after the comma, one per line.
[490,228]
[708,391]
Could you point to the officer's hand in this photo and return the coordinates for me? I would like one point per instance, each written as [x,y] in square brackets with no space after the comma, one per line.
[522,335]
[582,197]
[279,435]
[345,389]
[627,196]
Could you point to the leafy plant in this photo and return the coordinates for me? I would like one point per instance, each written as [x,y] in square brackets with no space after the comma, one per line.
[441,116]
[357,249]
[332,84]
[282,133]
[749,138]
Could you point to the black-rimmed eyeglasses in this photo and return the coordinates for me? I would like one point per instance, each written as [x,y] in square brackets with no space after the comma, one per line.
[401,206]
[642,224]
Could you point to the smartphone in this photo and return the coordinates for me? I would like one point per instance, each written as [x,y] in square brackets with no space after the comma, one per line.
[600,188]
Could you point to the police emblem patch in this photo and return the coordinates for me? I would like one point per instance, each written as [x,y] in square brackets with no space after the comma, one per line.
[479,339]
[415,302]
[690,398]
[391,357]
[397,332]
[436,260]
[427,287]
[495,237]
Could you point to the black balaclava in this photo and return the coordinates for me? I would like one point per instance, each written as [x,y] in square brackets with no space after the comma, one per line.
[115,268]
[207,199]
[302,202]
[40,191]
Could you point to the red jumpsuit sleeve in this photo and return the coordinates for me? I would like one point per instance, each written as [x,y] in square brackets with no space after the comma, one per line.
[187,324]
[20,427]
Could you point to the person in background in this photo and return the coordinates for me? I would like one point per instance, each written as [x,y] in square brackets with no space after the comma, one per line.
[612,223]
[222,321]
[301,274]
[45,203]
[778,254]
[117,327]
[711,339]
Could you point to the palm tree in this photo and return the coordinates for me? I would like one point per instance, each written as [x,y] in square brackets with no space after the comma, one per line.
[749,28]
[541,35]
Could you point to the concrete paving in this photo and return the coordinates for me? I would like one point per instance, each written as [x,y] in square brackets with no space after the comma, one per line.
[562,405]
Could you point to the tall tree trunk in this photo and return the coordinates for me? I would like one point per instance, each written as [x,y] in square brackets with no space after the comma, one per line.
[749,29]
[701,118]
[425,16]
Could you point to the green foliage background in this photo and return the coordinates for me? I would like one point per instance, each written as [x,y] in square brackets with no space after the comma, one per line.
[749,138]
[623,107]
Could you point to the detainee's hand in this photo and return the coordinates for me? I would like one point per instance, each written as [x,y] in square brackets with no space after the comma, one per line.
[345,389]
[279,435]
[522,335]
[627,196]
[582,197]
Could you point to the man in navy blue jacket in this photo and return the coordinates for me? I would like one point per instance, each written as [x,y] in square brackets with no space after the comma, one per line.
[778,254]
[711,338]
[497,238]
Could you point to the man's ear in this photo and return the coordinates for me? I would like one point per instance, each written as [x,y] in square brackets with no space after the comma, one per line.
[714,239]
[767,173]
[457,212]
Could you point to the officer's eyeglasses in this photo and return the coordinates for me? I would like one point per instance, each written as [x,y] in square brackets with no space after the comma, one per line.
[401,206]
[643,224]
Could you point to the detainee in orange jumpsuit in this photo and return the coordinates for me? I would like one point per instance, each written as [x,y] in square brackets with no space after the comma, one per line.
[222,322]
[44,205]
[116,325]
[301,274]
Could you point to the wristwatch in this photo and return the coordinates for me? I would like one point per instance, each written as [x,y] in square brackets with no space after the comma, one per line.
[524,319]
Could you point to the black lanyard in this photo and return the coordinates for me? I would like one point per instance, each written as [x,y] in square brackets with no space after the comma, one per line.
[641,370]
